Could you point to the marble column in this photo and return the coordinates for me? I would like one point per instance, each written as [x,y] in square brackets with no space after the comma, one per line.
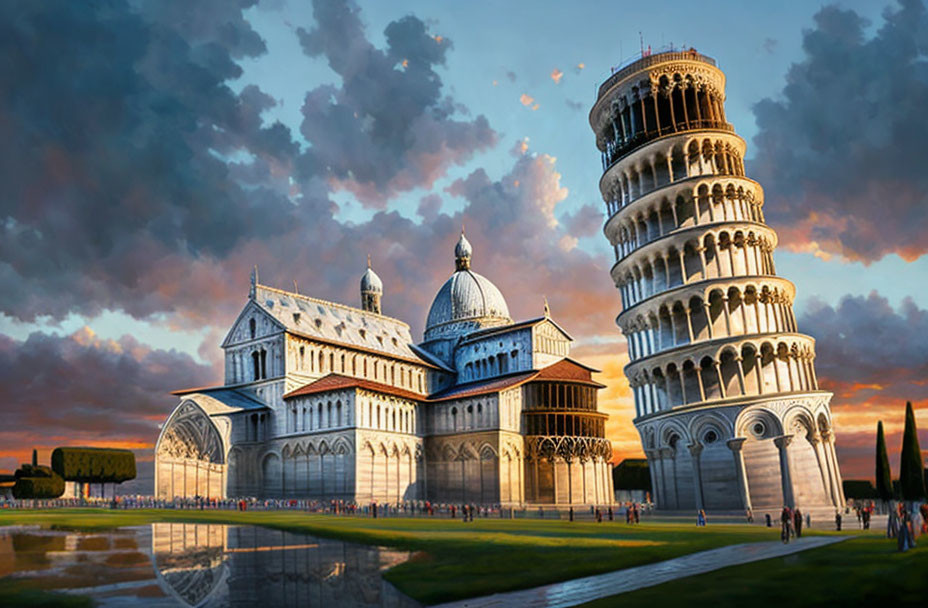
[782,442]
[695,451]
[824,470]
[741,473]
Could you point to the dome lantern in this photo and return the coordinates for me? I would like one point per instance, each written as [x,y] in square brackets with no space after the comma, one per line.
[462,252]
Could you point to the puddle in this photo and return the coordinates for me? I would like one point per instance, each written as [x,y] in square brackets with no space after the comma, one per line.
[201,565]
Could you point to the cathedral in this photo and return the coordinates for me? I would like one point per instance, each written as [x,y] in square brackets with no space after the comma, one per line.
[327,401]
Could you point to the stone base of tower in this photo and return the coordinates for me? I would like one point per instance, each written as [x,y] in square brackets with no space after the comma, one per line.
[733,455]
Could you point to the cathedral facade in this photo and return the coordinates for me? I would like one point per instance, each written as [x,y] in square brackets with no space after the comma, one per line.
[327,401]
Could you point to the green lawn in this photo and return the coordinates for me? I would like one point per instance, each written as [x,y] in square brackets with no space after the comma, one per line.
[457,560]
[864,571]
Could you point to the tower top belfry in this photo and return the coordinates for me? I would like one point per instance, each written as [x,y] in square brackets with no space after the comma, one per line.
[717,363]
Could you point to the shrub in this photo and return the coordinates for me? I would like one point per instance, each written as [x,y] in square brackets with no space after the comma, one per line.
[94,465]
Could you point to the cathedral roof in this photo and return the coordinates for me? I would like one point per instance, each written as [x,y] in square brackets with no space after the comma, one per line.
[221,399]
[491,331]
[565,370]
[338,324]
[466,297]
[333,382]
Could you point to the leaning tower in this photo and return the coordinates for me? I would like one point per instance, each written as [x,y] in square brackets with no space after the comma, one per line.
[727,402]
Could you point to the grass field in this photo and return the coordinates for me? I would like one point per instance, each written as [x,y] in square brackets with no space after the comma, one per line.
[458,560]
[865,571]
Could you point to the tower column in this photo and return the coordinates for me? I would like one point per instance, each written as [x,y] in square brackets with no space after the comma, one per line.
[695,451]
[782,442]
[741,474]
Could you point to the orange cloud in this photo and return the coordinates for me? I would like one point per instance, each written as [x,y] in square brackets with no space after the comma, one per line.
[556,75]
[526,100]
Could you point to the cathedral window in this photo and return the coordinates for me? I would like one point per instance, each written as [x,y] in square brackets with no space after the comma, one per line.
[256,360]
[331,362]
[393,375]
[378,415]
[253,327]
[354,366]
[454,419]
[328,415]
[321,362]
[263,364]
[343,364]
[338,413]
[302,357]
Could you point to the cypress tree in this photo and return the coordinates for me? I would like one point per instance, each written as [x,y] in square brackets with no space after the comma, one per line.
[884,476]
[35,458]
[911,469]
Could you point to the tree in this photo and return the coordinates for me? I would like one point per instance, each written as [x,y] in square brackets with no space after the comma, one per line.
[911,469]
[884,476]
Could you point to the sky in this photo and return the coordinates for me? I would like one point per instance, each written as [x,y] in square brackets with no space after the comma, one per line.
[154,152]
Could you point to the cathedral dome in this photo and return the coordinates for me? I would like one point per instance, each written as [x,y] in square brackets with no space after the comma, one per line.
[467,300]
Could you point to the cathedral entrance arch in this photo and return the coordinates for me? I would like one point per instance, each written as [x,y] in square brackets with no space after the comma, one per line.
[190,456]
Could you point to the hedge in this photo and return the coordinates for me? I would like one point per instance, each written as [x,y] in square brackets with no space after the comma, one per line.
[94,465]
[38,487]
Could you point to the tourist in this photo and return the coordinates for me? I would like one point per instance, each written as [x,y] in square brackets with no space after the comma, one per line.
[892,524]
[635,513]
[749,516]
[570,514]
[610,514]
[769,521]
[838,520]
[700,518]
[628,515]
[786,517]
[808,520]
[797,522]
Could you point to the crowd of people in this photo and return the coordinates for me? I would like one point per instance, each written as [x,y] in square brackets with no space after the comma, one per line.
[420,508]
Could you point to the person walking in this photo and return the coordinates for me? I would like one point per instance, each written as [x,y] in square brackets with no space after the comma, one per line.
[768,520]
[797,522]
[838,520]
[701,518]
[785,518]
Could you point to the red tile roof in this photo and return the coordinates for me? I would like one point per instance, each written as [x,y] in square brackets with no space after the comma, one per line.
[565,370]
[333,382]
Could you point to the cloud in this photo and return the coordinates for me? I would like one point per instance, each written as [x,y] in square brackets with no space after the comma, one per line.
[579,67]
[874,358]
[511,76]
[135,179]
[117,125]
[840,150]
[586,220]
[526,100]
[384,130]
[81,390]
[556,75]
[866,349]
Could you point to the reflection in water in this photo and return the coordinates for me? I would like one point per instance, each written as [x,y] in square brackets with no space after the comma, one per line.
[201,565]
[248,566]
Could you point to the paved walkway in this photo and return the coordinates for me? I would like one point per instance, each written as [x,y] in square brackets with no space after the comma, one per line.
[589,588]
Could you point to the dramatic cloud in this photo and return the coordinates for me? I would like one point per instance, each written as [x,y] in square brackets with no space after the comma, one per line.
[526,100]
[385,130]
[841,151]
[115,125]
[80,390]
[556,75]
[874,358]
[865,348]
